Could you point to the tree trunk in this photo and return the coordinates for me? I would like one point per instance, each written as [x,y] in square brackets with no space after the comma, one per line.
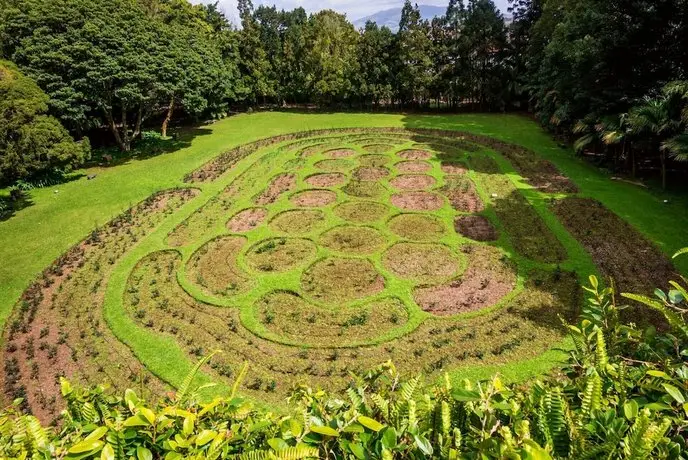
[168,117]
[662,159]
[113,128]
[139,121]
[126,143]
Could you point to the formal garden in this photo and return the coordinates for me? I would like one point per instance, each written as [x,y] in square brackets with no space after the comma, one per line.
[320,254]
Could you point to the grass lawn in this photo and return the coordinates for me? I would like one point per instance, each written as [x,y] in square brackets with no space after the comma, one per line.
[63,215]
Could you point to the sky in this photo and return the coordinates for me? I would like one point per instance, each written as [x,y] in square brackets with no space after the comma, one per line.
[354,9]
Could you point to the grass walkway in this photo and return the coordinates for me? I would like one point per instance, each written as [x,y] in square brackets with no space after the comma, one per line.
[63,215]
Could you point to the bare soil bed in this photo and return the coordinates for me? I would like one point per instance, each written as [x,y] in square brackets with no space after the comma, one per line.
[362,212]
[413,166]
[279,185]
[370,173]
[353,240]
[414,154]
[486,281]
[417,201]
[298,221]
[422,262]
[247,220]
[326,180]
[314,198]
[477,228]
[417,227]
[413,182]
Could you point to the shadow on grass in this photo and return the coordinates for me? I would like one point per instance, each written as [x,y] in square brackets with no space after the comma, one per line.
[149,146]
[10,207]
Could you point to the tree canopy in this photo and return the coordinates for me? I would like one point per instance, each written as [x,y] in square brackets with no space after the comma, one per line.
[31,142]
[124,64]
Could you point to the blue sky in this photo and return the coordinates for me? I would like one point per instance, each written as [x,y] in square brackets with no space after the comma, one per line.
[354,9]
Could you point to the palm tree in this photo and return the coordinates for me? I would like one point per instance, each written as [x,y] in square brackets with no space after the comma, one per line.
[654,119]
[677,146]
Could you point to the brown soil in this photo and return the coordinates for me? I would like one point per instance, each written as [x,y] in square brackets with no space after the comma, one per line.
[279,185]
[461,193]
[477,228]
[247,220]
[370,173]
[413,166]
[417,201]
[618,249]
[414,154]
[413,182]
[298,221]
[59,317]
[417,227]
[340,153]
[486,281]
[378,148]
[419,261]
[326,180]
[453,169]
[362,212]
[314,198]
[338,280]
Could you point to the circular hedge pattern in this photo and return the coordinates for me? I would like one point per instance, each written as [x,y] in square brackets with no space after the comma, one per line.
[322,254]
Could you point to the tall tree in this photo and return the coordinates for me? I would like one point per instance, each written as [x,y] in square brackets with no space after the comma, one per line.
[331,59]
[292,75]
[31,142]
[375,52]
[414,63]
[486,36]
[253,62]
[93,57]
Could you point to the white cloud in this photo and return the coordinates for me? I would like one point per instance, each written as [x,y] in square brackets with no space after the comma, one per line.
[354,9]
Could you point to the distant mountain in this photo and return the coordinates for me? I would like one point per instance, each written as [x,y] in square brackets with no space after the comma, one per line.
[391,17]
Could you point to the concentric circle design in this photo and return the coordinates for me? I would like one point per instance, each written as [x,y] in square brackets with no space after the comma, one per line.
[315,255]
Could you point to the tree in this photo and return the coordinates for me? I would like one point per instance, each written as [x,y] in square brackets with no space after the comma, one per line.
[94,58]
[331,56]
[486,38]
[253,62]
[192,73]
[32,142]
[292,75]
[375,51]
[414,63]
[662,121]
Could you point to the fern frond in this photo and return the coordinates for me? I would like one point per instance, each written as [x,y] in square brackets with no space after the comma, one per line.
[674,320]
[592,396]
[601,356]
[552,422]
[185,387]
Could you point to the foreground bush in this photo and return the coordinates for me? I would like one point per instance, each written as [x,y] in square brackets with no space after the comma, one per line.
[622,394]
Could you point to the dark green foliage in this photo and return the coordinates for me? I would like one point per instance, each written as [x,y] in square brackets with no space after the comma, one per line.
[31,142]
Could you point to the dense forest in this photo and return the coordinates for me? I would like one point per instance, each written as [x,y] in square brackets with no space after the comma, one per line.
[609,76]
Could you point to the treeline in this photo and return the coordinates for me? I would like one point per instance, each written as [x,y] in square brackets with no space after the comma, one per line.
[600,72]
